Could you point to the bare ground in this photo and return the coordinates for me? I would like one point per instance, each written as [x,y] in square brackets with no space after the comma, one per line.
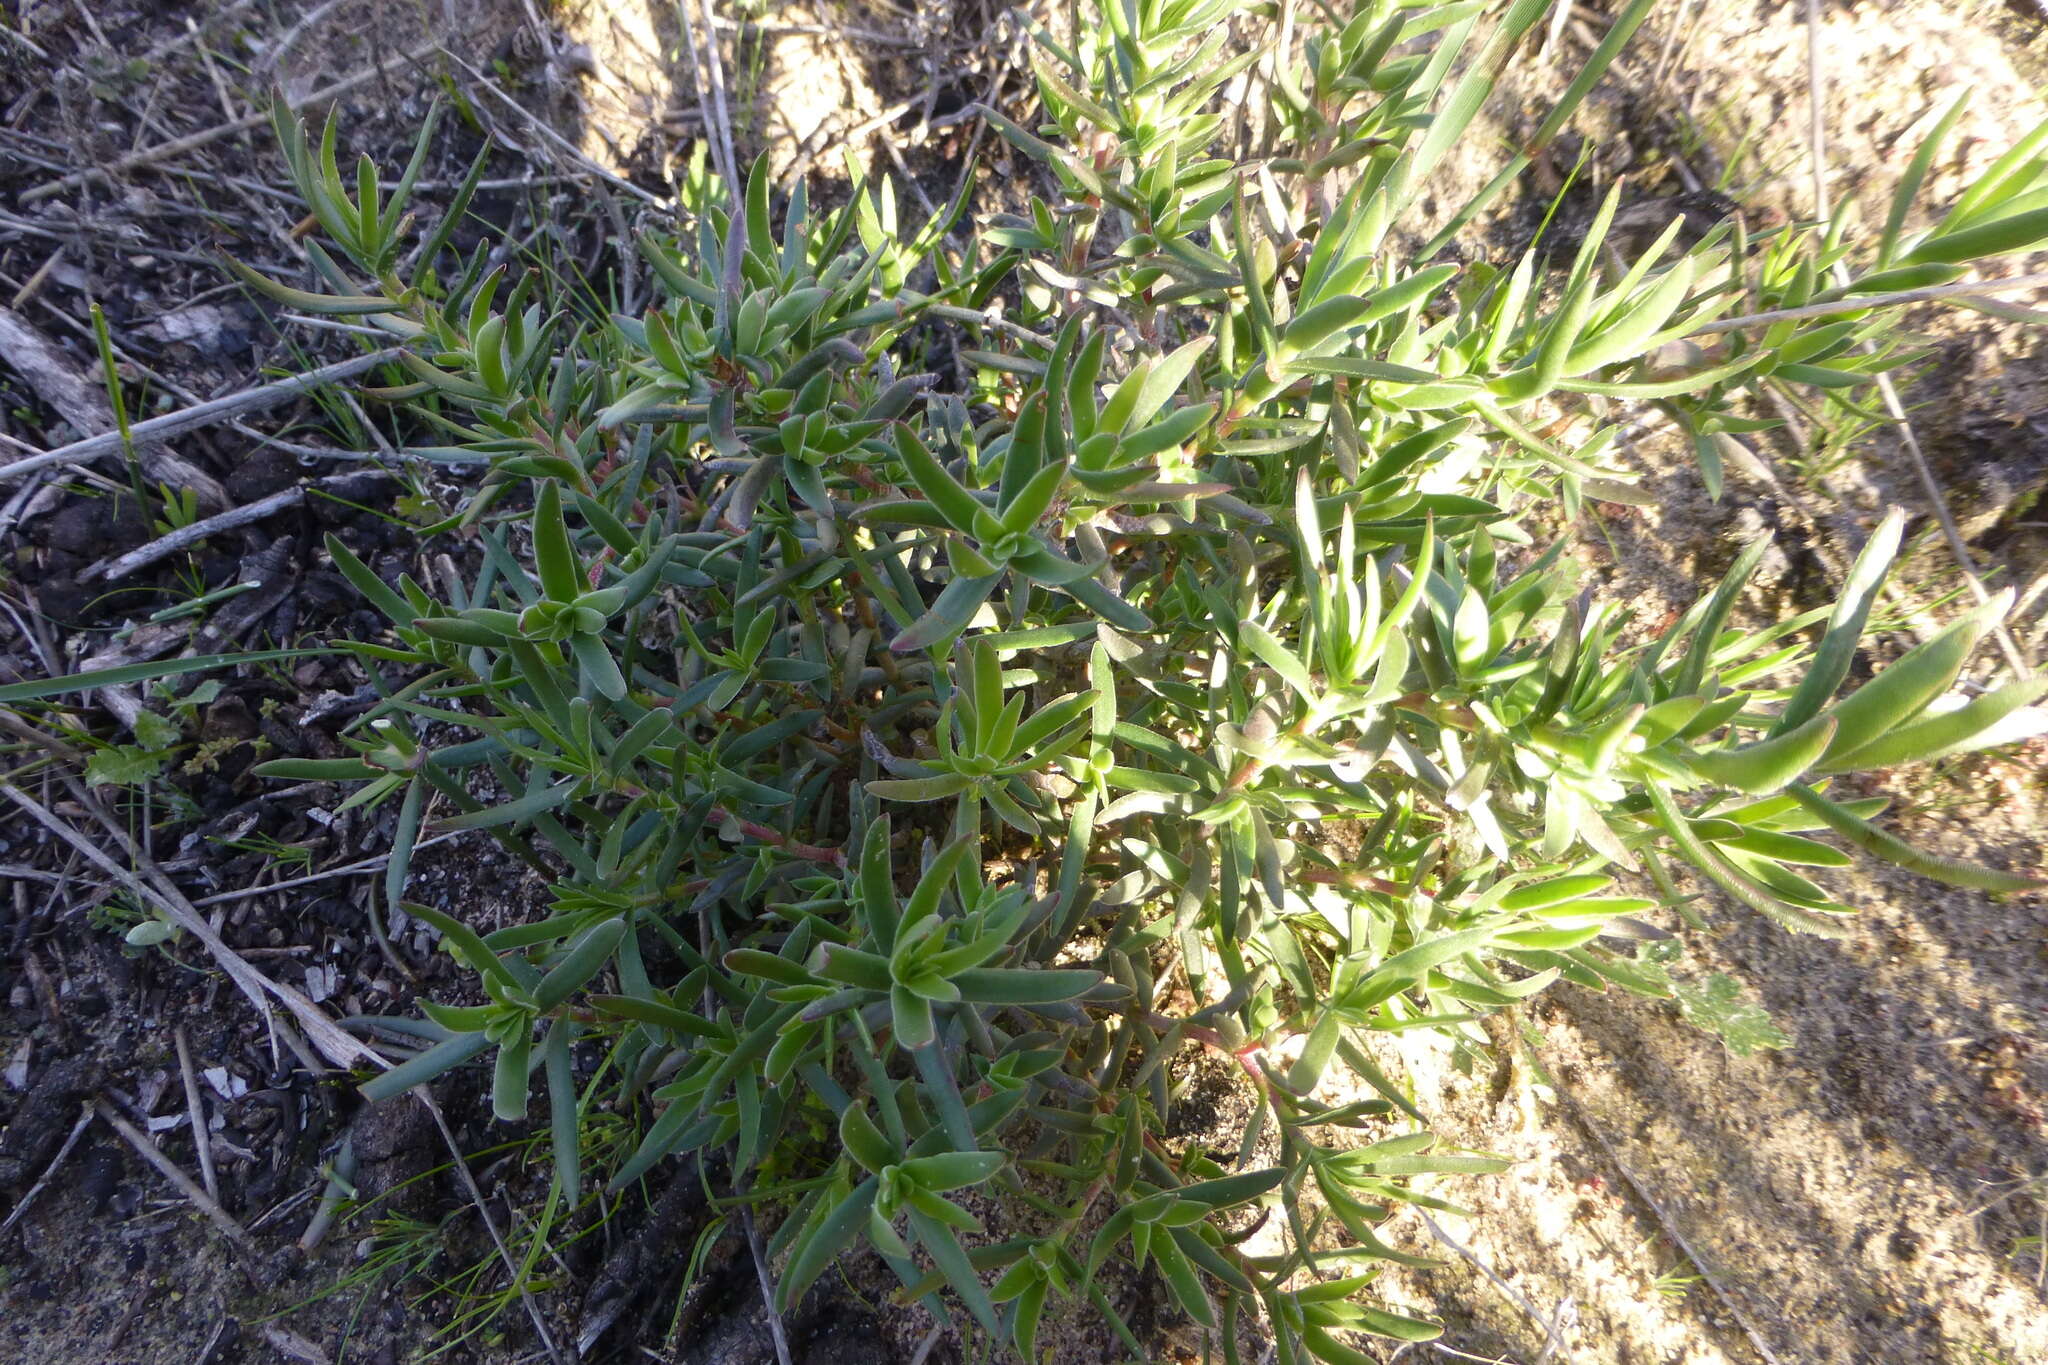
[1865,1194]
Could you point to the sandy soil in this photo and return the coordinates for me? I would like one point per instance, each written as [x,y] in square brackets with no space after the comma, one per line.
[1874,1192]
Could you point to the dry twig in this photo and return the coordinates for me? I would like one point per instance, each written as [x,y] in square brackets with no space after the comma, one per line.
[201,415]
[562,145]
[168,1169]
[1670,1228]
[15,1214]
[336,1045]
[1514,1295]
[761,1273]
[483,1211]
[1937,498]
[192,533]
[83,403]
[149,158]
[1862,302]
[195,1109]
[365,865]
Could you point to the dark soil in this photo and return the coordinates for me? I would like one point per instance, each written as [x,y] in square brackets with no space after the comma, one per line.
[110,1263]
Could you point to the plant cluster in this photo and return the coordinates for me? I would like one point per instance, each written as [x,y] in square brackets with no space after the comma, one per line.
[918,659]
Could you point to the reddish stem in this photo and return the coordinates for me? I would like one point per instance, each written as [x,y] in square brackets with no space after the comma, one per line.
[833,857]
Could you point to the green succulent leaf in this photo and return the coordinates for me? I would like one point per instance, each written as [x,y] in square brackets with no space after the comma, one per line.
[949,671]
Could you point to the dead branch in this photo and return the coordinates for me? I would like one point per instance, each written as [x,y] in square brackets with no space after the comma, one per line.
[58,381]
[168,1169]
[191,419]
[336,1045]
